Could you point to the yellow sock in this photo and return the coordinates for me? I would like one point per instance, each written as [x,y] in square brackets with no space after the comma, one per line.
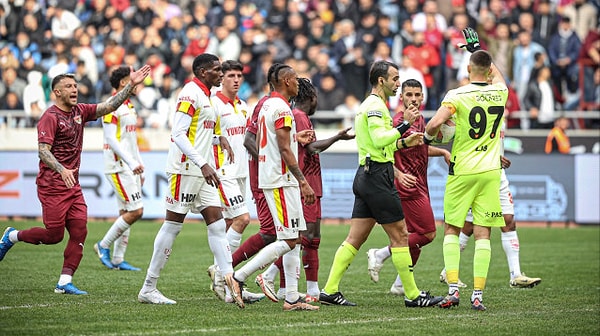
[342,259]
[404,267]
[481,263]
[451,249]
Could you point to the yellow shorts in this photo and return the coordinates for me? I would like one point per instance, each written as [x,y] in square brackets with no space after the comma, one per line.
[478,192]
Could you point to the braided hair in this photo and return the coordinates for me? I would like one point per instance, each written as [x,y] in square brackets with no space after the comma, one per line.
[306,91]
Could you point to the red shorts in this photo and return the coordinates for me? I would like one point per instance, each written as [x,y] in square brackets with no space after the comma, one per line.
[58,207]
[265,219]
[418,215]
[312,212]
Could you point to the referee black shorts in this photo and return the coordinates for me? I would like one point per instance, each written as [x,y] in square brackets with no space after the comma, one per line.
[375,195]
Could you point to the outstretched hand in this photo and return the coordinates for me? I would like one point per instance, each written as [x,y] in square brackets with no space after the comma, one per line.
[472,40]
[138,76]
[343,134]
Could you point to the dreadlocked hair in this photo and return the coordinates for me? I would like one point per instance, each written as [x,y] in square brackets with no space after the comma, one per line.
[306,91]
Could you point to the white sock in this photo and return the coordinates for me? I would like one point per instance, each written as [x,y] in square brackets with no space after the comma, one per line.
[12,236]
[115,231]
[271,272]
[291,268]
[163,244]
[234,239]
[64,279]
[510,244]
[120,246]
[312,288]
[463,240]
[217,241]
[267,255]
[382,254]
[398,282]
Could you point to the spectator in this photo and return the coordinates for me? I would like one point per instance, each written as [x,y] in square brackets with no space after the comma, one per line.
[22,45]
[63,22]
[501,46]
[11,83]
[589,58]
[9,24]
[82,49]
[345,9]
[273,44]
[523,62]
[583,14]
[348,110]
[113,54]
[430,8]
[34,98]
[226,44]
[87,94]
[563,52]
[523,6]
[141,14]
[454,54]
[427,60]
[27,66]
[11,102]
[557,140]
[408,10]
[539,100]
[355,73]
[330,96]
[382,52]
[34,28]
[546,22]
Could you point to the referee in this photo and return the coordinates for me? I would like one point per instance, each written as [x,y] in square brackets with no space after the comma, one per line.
[376,198]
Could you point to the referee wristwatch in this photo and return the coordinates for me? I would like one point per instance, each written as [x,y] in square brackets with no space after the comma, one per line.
[403,127]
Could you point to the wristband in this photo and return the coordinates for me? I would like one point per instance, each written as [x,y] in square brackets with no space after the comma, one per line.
[404,143]
[427,139]
[403,127]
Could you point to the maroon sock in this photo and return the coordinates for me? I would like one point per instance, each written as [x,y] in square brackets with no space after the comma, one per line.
[415,242]
[279,264]
[249,248]
[310,258]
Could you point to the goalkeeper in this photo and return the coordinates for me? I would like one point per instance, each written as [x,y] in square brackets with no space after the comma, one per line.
[474,171]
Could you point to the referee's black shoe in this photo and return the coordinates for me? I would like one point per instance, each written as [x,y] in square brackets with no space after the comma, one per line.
[334,299]
[423,300]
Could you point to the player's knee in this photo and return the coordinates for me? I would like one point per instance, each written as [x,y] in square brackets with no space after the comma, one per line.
[54,236]
[137,214]
[510,223]
[430,236]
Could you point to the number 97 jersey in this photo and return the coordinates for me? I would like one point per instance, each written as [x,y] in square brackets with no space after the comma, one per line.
[478,110]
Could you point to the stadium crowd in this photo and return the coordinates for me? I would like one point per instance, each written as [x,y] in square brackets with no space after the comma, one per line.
[540,46]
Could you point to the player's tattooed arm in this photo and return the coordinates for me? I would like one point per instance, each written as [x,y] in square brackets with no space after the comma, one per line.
[115,101]
[295,170]
[48,158]
[67,175]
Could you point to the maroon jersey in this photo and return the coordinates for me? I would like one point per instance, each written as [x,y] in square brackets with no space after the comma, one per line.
[413,161]
[252,127]
[309,164]
[64,132]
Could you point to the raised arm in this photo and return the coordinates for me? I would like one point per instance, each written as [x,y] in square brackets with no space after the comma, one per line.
[321,145]
[112,103]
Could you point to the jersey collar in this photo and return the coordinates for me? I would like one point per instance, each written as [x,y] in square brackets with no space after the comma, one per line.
[276,94]
[202,86]
[226,99]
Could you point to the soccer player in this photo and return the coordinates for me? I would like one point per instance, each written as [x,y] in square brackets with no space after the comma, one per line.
[310,165]
[376,200]
[123,168]
[509,237]
[60,138]
[266,234]
[231,123]
[193,182]
[411,181]
[475,170]
[282,183]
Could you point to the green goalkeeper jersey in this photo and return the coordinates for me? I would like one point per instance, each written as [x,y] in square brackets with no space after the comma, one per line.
[375,134]
[479,110]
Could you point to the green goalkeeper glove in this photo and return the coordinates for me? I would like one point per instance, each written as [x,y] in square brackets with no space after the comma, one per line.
[472,40]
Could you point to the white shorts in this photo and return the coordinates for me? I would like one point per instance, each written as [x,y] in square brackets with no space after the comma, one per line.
[190,193]
[233,200]
[506,199]
[285,206]
[128,189]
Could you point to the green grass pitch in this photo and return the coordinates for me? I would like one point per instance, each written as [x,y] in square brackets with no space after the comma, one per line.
[566,303]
